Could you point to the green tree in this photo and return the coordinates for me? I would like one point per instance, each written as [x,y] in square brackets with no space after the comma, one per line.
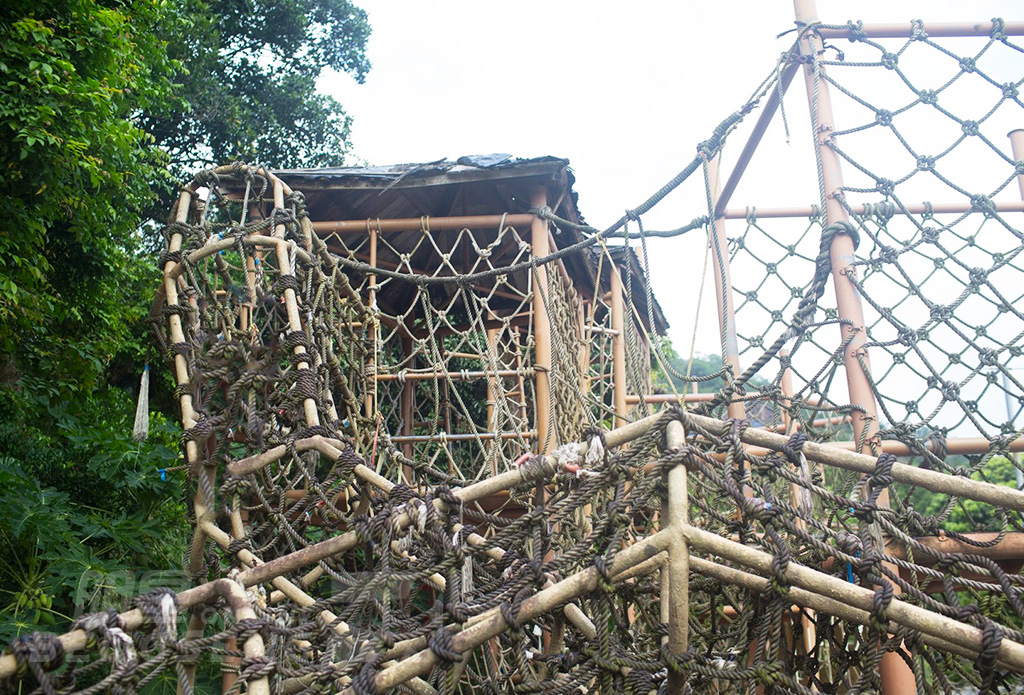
[103,105]
[77,172]
[249,74]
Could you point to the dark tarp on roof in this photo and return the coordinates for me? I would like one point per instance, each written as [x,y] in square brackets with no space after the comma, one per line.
[490,184]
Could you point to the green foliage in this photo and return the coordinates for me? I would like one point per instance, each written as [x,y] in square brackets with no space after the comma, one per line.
[701,365]
[85,506]
[76,172]
[249,76]
[102,106]
[967,516]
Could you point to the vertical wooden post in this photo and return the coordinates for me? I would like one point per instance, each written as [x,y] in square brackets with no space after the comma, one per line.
[679,560]
[408,406]
[897,677]
[521,379]
[540,247]
[494,392]
[229,667]
[292,305]
[618,345]
[584,351]
[188,415]
[787,393]
[371,284]
[723,283]
[809,630]
[490,364]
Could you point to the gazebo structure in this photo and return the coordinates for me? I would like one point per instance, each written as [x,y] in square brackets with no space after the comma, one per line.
[470,376]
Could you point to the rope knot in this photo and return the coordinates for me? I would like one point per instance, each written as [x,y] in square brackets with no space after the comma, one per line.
[440,643]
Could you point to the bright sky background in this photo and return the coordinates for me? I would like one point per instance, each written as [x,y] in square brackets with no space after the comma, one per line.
[624,91]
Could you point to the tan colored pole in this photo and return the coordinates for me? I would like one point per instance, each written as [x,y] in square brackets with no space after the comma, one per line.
[865,423]
[370,406]
[897,678]
[900,30]
[916,209]
[415,224]
[679,559]
[462,437]
[942,483]
[633,399]
[291,302]
[492,382]
[809,629]
[618,346]
[463,375]
[408,405]
[540,247]
[188,416]
[816,602]
[953,447]
[542,602]
[899,612]
[723,284]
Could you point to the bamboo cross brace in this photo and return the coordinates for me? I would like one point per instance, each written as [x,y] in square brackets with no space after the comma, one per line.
[332,449]
[899,612]
[75,640]
[820,603]
[540,603]
[943,483]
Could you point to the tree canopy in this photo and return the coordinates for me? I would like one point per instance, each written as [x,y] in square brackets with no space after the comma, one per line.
[104,106]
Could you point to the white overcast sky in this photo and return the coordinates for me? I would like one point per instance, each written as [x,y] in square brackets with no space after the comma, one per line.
[623,90]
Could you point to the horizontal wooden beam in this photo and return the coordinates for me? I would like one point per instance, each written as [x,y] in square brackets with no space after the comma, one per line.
[415,224]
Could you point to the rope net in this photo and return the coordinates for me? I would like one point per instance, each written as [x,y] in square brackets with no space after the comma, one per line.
[359,413]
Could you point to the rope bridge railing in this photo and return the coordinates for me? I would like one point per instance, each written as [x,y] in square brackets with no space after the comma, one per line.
[685,550]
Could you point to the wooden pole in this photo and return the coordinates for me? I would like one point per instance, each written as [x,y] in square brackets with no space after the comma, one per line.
[679,559]
[408,407]
[816,602]
[943,483]
[540,247]
[415,224]
[371,283]
[897,677]
[899,612]
[618,346]
[723,285]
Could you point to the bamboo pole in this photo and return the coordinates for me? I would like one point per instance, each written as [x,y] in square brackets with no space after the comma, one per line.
[460,375]
[897,677]
[415,224]
[899,612]
[818,603]
[723,284]
[408,405]
[679,559]
[618,311]
[943,483]
[540,603]
[370,405]
[540,247]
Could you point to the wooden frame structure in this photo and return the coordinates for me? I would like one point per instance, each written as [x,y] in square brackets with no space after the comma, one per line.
[520,343]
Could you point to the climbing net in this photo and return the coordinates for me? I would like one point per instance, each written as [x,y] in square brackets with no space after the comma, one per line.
[685,549]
